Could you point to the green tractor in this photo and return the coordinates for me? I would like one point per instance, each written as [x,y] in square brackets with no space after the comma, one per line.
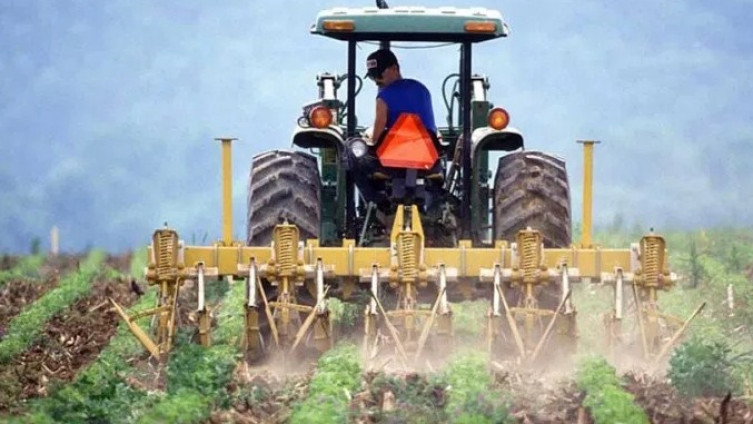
[318,194]
[454,199]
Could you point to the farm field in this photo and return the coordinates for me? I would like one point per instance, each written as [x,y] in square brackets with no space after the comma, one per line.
[65,356]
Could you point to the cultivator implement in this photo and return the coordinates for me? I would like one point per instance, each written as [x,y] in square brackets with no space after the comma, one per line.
[657,331]
[408,271]
[408,287]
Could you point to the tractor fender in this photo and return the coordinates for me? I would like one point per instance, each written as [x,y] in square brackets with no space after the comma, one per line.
[319,138]
[487,138]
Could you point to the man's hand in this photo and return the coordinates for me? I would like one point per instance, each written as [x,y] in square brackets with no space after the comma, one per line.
[366,136]
[380,120]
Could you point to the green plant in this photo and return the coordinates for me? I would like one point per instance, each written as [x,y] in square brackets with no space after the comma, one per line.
[471,398]
[337,375]
[701,368]
[608,402]
[344,314]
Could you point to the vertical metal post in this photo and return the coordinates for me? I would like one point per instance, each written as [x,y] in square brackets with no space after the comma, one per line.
[588,149]
[350,191]
[320,303]
[465,107]
[566,290]
[227,190]
[497,291]
[201,310]
[374,290]
[443,306]
[618,296]
[54,241]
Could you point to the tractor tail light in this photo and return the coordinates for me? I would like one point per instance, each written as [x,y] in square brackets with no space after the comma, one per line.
[480,26]
[320,117]
[339,25]
[498,118]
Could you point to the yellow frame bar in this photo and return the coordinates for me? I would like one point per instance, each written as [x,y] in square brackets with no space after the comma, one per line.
[349,260]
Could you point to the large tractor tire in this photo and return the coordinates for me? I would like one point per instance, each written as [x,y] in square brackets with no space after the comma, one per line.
[283,185]
[531,190]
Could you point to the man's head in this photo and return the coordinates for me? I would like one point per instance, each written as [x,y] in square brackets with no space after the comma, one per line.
[382,67]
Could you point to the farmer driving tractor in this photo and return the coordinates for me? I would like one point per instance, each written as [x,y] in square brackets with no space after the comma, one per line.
[396,94]
[404,135]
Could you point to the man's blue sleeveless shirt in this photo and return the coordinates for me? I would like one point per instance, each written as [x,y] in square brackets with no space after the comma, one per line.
[408,96]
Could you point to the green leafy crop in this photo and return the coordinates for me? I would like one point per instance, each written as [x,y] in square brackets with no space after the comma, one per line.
[608,402]
[337,375]
[471,398]
[700,368]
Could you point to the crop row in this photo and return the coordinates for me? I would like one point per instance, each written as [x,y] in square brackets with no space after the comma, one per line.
[197,377]
[26,327]
[27,267]
[100,392]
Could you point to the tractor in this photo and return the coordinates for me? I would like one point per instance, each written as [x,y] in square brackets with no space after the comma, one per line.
[435,222]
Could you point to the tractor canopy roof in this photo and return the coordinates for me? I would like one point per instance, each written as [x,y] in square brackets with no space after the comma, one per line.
[445,24]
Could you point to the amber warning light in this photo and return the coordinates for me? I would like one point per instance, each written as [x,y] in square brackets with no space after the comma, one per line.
[498,118]
[320,117]
[339,25]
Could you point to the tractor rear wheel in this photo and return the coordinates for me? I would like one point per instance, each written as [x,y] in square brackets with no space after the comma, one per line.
[283,185]
[531,190]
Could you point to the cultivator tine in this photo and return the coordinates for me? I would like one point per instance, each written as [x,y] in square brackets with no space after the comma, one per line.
[393,331]
[613,323]
[428,324]
[550,326]
[268,312]
[253,340]
[508,314]
[312,316]
[639,315]
[668,345]
[145,340]
[370,316]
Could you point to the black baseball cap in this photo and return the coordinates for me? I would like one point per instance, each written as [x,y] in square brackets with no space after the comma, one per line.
[378,61]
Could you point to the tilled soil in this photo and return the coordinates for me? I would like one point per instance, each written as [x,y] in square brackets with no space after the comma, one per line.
[17,294]
[262,398]
[397,398]
[391,397]
[70,341]
[663,404]
[121,262]
[8,262]
[538,400]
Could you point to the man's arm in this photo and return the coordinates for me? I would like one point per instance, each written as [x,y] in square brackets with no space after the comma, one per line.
[380,120]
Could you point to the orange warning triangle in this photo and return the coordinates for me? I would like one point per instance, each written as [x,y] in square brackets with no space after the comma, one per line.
[408,145]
